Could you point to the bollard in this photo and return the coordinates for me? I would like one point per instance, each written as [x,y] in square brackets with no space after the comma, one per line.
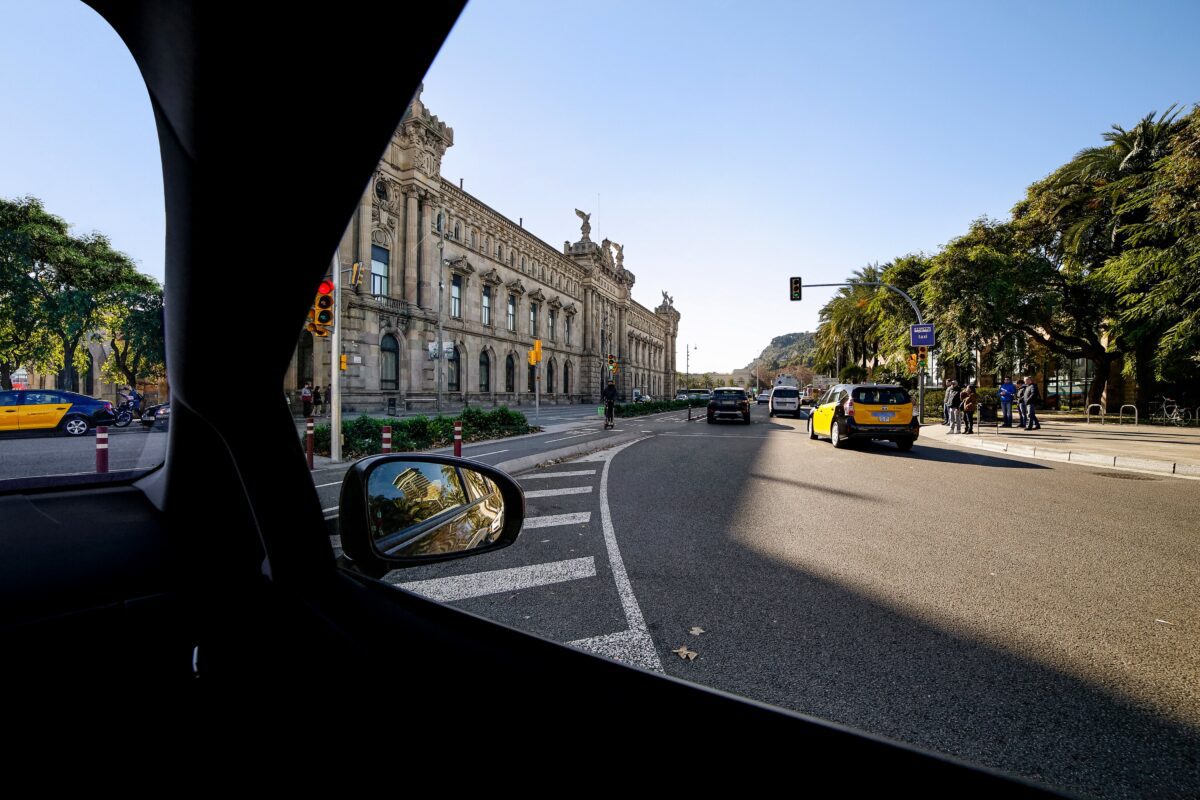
[458,438]
[308,424]
[387,438]
[102,449]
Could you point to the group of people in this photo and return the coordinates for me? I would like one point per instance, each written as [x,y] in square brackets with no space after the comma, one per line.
[959,405]
[314,401]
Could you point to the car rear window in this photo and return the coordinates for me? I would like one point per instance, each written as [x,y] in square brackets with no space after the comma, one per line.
[871,395]
[730,395]
[787,392]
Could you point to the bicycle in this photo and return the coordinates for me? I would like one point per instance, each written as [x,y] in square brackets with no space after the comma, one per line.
[1167,411]
[609,419]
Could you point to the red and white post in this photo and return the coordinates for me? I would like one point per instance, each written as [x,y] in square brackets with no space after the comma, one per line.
[387,438]
[308,426]
[102,449]
[458,438]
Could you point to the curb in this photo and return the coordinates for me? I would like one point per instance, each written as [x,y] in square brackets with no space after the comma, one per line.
[1079,457]
[524,463]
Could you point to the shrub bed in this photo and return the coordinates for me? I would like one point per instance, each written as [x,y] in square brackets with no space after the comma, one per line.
[655,407]
[363,436]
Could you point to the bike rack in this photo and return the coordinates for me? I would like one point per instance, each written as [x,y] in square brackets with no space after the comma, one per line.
[1121,419]
[1099,410]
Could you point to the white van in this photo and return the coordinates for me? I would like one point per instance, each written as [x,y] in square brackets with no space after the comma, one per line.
[784,400]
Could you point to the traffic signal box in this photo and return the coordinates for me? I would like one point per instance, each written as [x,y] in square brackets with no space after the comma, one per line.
[796,287]
[922,357]
[535,354]
[320,316]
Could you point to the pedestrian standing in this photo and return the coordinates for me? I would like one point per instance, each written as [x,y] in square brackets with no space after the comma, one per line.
[946,403]
[954,399]
[329,399]
[1022,407]
[970,401]
[317,401]
[1008,393]
[1032,398]
[306,399]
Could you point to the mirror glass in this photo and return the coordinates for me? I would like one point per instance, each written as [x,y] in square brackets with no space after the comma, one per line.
[419,508]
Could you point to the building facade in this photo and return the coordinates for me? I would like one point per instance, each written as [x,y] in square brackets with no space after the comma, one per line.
[424,244]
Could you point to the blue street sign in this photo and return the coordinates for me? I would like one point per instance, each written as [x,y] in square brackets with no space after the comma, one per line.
[921,335]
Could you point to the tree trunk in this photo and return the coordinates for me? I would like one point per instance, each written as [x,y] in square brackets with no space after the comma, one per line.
[6,371]
[1103,364]
[1144,375]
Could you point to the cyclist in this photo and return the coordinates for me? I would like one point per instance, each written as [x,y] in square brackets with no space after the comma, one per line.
[610,401]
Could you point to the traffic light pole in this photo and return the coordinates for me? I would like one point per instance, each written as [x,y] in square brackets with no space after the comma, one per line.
[920,321]
[441,289]
[335,363]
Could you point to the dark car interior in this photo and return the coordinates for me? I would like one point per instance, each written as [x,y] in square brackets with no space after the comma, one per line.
[204,595]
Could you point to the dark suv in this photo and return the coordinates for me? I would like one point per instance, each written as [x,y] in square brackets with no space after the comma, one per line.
[729,401]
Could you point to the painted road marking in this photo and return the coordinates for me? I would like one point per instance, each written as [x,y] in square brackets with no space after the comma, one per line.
[327,510]
[323,485]
[563,439]
[479,584]
[553,520]
[560,474]
[557,492]
[493,453]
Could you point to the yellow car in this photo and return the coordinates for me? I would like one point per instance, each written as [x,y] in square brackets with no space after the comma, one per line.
[51,409]
[865,411]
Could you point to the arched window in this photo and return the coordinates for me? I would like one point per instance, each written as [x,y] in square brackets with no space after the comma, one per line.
[567,378]
[550,376]
[389,364]
[458,231]
[499,252]
[485,373]
[441,221]
[510,374]
[452,371]
[522,263]
[473,240]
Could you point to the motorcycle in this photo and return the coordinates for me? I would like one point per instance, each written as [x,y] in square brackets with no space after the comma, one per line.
[126,414]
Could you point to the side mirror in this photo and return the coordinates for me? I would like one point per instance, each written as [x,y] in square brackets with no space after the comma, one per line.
[401,511]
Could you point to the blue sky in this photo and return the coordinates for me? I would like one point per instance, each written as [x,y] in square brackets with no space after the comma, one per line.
[727,146]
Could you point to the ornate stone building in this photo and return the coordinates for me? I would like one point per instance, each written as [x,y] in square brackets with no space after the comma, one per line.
[502,287]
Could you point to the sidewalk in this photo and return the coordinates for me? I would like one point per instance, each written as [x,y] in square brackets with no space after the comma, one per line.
[1152,448]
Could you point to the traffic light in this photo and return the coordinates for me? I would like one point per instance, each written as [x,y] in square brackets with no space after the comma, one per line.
[343,365]
[922,357]
[320,316]
[537,351]
[612,361]
[532,358]
[356,274]
[796,288]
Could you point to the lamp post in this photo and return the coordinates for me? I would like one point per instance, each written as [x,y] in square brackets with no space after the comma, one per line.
[441,287]
[687,366]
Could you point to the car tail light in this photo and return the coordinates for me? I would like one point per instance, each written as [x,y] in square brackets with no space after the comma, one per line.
[107,406]
[850,408]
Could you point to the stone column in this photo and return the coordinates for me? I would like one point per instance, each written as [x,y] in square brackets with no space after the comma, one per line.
[428,258]
[410,245]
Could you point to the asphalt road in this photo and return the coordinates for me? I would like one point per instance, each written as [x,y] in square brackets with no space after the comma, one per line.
[1033,617]
[24,455]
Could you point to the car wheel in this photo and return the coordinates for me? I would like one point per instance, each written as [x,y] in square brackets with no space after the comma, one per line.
[904,444]
[835,435]
[75,426]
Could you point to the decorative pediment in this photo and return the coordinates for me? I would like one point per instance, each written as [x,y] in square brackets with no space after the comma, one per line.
[461,266]
[516,287]
[537,296]
[492,277]
[570,309]
[555,302]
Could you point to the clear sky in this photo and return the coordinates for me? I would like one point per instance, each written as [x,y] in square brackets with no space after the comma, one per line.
[726,145]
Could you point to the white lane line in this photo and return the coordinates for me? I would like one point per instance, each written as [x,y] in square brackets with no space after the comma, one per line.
[637,644]
[560,474]
[479,584]
[323,485]
[481,455]
[327,510]
[553,520]
[563,439]
[557,492]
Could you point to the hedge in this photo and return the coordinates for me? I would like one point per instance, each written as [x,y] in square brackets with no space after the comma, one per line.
[364,436]
[655,407]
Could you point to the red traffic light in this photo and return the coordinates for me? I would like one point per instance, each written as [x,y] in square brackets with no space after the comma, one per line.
[326,287]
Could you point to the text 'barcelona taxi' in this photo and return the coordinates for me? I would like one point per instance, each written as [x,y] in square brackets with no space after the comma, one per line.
[865,411]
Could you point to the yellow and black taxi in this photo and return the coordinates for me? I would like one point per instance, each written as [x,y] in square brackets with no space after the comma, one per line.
[865,411]
[52,409]
[729,401]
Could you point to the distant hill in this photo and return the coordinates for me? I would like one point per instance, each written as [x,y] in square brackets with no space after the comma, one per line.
[789,350]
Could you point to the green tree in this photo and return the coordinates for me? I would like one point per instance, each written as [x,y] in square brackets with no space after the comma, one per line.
[30,239]
[133,327]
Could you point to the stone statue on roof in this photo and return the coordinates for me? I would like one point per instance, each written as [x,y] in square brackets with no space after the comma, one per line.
[586,227]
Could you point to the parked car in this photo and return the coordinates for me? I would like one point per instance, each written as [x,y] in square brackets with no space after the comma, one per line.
[157,417]
[857,411]
[764,396]
[729,402]
[52,409]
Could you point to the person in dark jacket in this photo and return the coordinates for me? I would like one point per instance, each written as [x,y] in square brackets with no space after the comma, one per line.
[1032,397]
[970,401]
[954,404]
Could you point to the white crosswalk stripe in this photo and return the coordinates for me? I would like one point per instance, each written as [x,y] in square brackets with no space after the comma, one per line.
[553,520]
[478,584]
[559,474]
[559,492]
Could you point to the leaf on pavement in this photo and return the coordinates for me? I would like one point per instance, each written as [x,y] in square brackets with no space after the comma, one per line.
[696,631]
[683,652]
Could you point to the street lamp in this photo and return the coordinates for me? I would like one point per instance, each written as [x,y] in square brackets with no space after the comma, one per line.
[687,366]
